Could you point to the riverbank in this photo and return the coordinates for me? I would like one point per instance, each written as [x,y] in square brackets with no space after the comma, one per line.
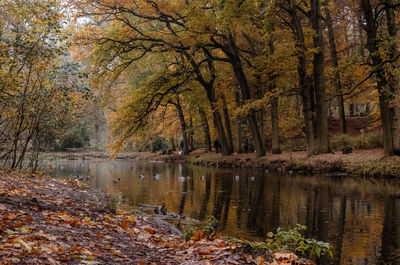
[48,221]
[364,163]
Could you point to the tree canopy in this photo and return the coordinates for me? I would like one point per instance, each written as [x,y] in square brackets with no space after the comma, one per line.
[260,71]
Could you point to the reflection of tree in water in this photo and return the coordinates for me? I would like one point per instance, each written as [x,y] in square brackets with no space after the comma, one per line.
[390,253]
[273,220]
[227,202]
[183,197]
[190,183]
[338,244]
[206,197]
[223,186]
[324,216]
[242,193]
[256,204]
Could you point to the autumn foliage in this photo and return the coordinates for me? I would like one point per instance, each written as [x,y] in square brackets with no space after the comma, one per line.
[258,70]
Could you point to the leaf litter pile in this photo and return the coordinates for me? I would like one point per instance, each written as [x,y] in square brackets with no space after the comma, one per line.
[48,221]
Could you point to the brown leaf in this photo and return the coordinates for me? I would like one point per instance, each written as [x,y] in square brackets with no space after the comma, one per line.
[64,258]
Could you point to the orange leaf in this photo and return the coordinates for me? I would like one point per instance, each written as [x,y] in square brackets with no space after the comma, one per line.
[198,235]
[117,253]
[99,236]
[75,249]
[10,216]
[169,245]
[124,224]
[259,260]
[150,230]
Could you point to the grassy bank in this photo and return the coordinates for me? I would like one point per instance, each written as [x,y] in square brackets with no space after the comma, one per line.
[366,163]
[362,162]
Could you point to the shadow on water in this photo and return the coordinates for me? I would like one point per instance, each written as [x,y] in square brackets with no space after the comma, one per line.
[360,218]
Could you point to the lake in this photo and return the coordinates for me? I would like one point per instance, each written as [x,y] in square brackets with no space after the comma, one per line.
[360,218]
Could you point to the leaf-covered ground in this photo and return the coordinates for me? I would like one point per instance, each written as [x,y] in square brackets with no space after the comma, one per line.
[47,221]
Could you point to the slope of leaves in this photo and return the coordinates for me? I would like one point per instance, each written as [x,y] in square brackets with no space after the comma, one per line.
[46,221]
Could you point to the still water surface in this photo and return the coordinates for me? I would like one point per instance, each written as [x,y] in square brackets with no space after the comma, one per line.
[360,218]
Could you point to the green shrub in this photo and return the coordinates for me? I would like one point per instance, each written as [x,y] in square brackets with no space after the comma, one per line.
[76,137]
[292,145]
[159,144]
[363,141]
[370,141]
[342,141]
[288,241]
[294,241]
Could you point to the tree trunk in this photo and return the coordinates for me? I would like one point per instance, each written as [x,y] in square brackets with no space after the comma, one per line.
[183,126]
[191,134]
[276,149]
[337,84]
[210,91]
[392,76]
[227,124]
[382,84]
[206,128]
[221,132]
[304,80]
[321,106]
[239,123]
[241,77]
[217,120]
[172,143]
[258,94]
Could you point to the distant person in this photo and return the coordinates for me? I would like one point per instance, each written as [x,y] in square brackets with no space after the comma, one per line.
[217,146]
[181,145]
[397,152]
[246,145]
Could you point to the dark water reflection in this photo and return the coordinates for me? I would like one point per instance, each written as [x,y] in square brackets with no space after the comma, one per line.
[360,218]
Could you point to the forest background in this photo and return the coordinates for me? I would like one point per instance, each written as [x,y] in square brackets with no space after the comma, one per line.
[317,75]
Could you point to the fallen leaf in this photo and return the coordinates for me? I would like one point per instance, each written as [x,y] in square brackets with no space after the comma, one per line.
[124,225]
[150,230]
[198,235]
[64,259]
[90,262]
[259,260]
[28,246]
[117,253]
[10,216]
